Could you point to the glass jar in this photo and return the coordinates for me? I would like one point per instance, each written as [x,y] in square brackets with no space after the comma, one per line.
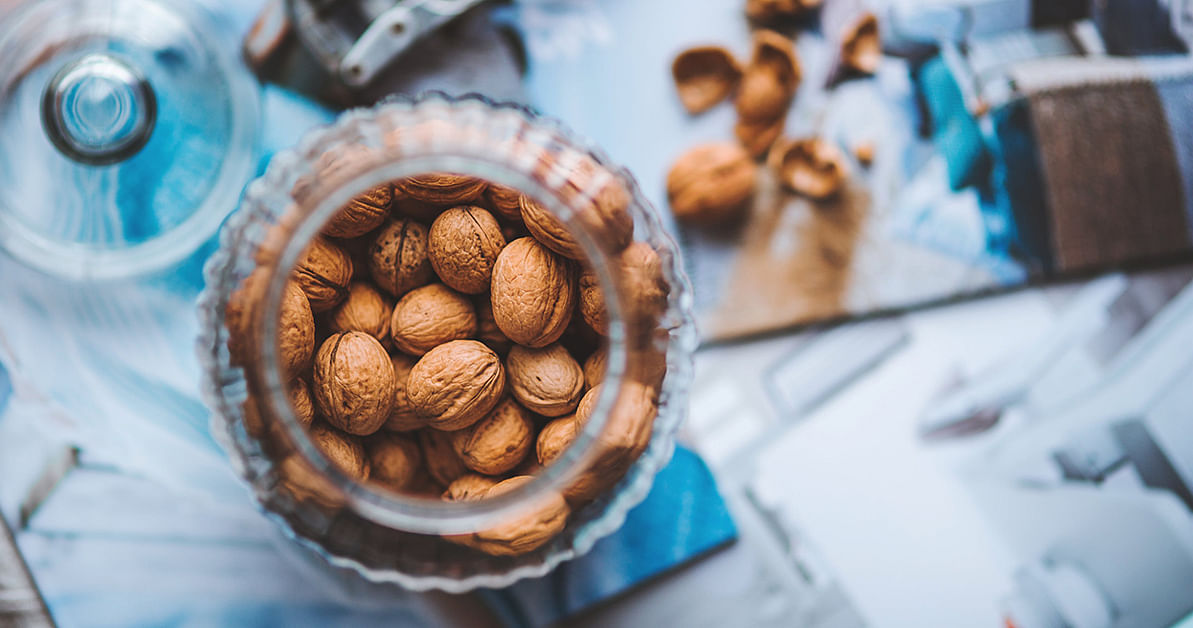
[384,535]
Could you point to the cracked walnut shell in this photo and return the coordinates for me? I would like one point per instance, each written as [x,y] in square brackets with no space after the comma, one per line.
[354,382]
[430,316]
[704,76]
[768,84]
[812,167]
[398,259]
[463,246]
[498,442]
[533,293]
[711,183]
[547,381]
[456,384]
[323,272]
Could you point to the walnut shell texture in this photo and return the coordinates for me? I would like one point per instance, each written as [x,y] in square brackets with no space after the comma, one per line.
[365,310]
[592,303]
[354,382]
[487,330]
[757,137]
[557,436]
[603,212]
[704,76]
[643,286]
[498,442]
[811,167]
[361,214]
[343,450]
[323,272]
[595,367]
[463,246]
[299,394]
[541,522]
[711,183]
[439,456]
[430,316]
[394,460]
[625,436]
[533,293]
[468,487]
[402,417]
[398,260]
[456,384]
[505,201]
[547,381]
[442,188]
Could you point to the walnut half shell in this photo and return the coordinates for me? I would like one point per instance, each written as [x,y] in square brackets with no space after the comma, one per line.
[704,76]
[812,167]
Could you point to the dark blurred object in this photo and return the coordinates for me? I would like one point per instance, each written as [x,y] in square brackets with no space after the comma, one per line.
[1045,13]
[20,604]
[355,52]
[1138,27]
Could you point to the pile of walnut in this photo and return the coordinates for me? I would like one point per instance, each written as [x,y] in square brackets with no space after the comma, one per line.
[712,184]
[444,339]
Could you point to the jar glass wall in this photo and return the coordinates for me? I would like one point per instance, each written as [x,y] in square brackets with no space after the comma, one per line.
[398,536]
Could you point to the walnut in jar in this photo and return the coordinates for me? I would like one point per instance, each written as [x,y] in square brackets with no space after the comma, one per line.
[364,310]
[354,382]
[556,437]
[603,211]
[505,201]
[533,293]
[323,272]
[498,442]
[442,188]
[463,246]
[456,384]
[361,214]
[542,521]
[547,381]
[442,462]
[402,417]
[343,450]
[430,316]
[398,260]
[468,487]
[622,440]
[394,460]
[299,394]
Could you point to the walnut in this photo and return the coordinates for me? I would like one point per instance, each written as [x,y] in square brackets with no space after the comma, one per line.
[643,287]
[354,382]
[595,366]
[469,487]
[463,245]
[361,214]
[711,183]
[394,460]
[769,82]
[603,211]
[861,46]
[402,417]
[557,436]
[864,151]
[705,76]
[533,293]
[398,257]
[442,188]
[498,442]
[812,167]
[646,361]
[622,440]
[430,316]
[592,302]
[767,89]
[365,310]
[441,460]
[505,201]
[296,329]
[487,330]
[323,273]
[543,521]
[547,381]
[299,394]
[456,384]
[343,450]
[306,484]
